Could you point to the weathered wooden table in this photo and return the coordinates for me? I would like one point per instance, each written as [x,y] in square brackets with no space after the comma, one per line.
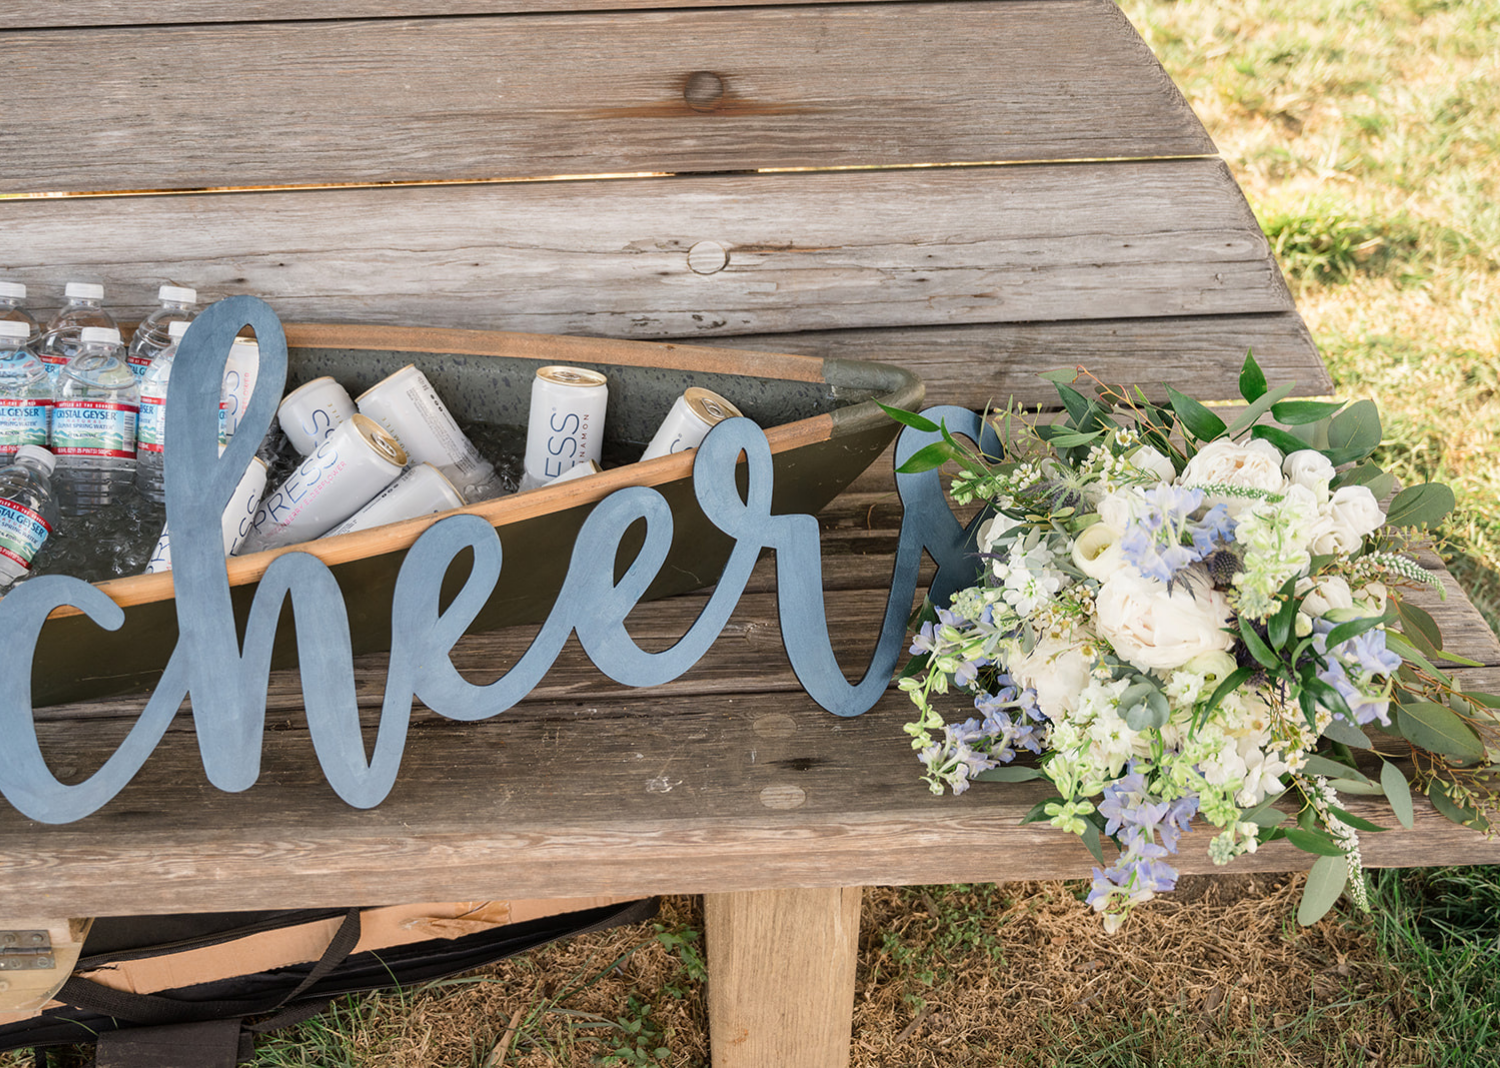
[977,190]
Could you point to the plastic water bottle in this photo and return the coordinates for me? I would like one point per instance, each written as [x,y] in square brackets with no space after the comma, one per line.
[93,423]
[28,512]
[25,392]
[151,431]
[13,308]
[85,308]
[151,336]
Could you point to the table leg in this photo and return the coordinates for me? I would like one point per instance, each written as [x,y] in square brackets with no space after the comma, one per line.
[781,976]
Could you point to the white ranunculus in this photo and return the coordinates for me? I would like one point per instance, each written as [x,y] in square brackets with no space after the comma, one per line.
[1147,459]
[1256,465]
[1324,595]
[1158,630]
[1310,468]
[1057,671]
[1215,666]
[1117,510]
[1350,514]
[1097,551]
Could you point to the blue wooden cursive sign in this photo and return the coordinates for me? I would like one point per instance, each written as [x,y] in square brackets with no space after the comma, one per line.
[225,678]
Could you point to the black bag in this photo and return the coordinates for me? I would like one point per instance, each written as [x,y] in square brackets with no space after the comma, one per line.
[204,1025]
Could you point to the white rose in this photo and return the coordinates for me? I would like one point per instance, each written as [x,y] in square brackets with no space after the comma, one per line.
[1325,595]
[1215,666]
[1097,551]
[1350,514]
[1310,468]
[1058,673]
[1148,460]
[1116,510]
[1154,629]
[1256,465]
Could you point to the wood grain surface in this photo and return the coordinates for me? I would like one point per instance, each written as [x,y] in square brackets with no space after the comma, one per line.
[525,96]
[784,965]
[726,780]
[987,362]
[79,13]
[801,252]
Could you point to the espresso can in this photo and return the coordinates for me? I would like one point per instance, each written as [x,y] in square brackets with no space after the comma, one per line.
[422,490]
[238,515]
[692,416]
[566,423]
[312,411]
[340,477]
[411,411]
[583,470]
[240,372]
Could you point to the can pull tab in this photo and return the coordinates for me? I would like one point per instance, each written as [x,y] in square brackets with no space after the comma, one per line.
[26,951]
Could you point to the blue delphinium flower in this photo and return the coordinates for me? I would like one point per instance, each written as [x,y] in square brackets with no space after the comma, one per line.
[1351,668]
[1163,538]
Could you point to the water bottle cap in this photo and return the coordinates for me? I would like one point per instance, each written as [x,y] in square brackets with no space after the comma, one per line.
[43,457]
[99,333]
[178,294]
[14,328]
[13,289]
[86,290]
[177,327]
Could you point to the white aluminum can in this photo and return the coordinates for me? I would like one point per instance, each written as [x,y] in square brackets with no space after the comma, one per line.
[422,490]
[583,470]
[240,372]
[238,516]
[312,411]
[340,477]
[693,415]
[566,423]
[412,412]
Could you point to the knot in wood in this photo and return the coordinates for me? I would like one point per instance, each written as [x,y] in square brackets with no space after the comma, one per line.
[703,91]
[707,257]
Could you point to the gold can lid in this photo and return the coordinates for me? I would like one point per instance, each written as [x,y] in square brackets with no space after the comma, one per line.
[709,406]
[379,439]
[571,376]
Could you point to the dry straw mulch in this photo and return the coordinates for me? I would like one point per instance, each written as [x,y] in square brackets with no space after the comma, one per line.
[1013,975]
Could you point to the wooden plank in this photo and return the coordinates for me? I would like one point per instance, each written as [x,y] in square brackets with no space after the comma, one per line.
[444,99]
[783,976]
[41,14]
[693,794]
[616,258]
[974,364]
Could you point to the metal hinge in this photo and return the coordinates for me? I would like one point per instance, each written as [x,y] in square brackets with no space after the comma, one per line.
[22,951]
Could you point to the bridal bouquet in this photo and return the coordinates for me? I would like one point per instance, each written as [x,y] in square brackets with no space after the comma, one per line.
[1195,623]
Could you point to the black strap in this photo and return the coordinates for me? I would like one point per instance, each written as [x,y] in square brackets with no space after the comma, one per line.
[153,1009]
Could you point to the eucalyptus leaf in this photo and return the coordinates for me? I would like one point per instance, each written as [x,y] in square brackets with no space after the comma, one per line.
[1314,842]
[1355,431]
[1007,775]
[1278,437]
[1146,707]
[1350,786]
[1092,841]
[1341,730]
[1398,793]
[1359,823]
[1397,643]
[1318,764]
[1265,814]
[1325,882]
[1195,418]
[1420,628]
[1463,815]
[927,458]
[1420,506]
[1068,441]
[1303,412]
[1259,407]
[911,419]
[1438,729]
[1252,379]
